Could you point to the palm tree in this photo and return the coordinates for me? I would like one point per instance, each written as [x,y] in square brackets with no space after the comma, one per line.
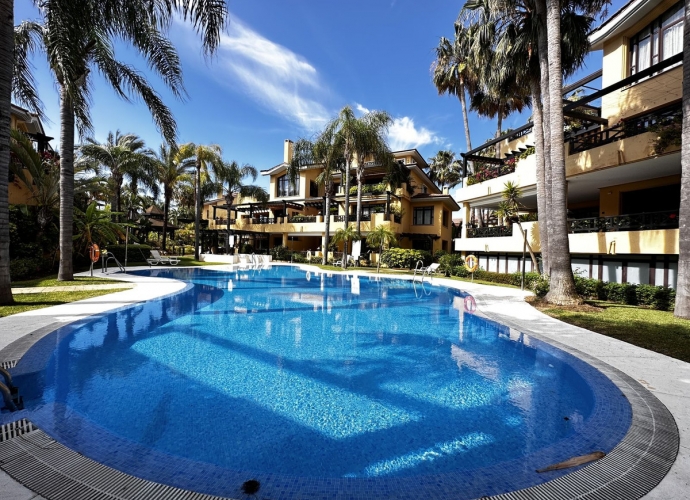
[444,169]
[326,152]
[453,72]
[123,155]
[78,36]
[682,309]
[381,236]
[371,145]
[231,179]
[344,236]
[509,209]
[94,225]
[173,170]
[206,159]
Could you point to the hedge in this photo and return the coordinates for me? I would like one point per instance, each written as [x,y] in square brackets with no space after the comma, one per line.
[135,252]
[29,267]
[405,258]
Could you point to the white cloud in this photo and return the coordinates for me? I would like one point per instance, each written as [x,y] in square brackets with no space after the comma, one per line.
[276,78]
[403,134]
[361,108]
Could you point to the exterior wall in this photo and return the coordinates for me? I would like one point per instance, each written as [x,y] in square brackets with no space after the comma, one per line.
[610,196]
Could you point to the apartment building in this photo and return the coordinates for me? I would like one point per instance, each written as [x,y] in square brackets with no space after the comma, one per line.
[30,124]
[622,159]
[420,214]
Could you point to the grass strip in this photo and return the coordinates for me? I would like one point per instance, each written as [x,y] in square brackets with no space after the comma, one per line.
[32,301]
[658,331]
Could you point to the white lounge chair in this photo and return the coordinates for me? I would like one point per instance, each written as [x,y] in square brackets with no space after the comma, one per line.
[425,270]
[157,258]
[350,261]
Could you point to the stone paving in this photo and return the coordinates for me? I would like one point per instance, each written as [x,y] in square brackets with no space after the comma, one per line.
[68,288]
[667,378]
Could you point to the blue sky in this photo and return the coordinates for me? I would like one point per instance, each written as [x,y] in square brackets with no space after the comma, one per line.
[287,66]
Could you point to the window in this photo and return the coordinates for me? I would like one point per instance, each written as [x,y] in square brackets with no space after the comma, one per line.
[313,189]
[286,188]
[445,218]
[660,40]
[423,216]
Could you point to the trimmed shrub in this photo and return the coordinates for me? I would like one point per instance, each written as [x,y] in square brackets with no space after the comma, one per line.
[28,267]
[135,252]
[404,258]
[448,263]
[438,254]
[281,253]
[299,258]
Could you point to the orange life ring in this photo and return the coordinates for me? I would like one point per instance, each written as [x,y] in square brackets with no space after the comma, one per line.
[470,304]
[471,263]
[94,253]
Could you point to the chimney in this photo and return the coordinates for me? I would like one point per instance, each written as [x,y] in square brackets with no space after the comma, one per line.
[287,151]
[446,190]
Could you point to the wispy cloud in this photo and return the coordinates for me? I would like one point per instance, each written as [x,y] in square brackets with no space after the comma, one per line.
[403,134]
[361,108]
[272,75]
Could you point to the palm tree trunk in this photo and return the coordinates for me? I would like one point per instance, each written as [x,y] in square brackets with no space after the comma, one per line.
[543,49]
[360,178]
[197,214]
[166,210]
[529,247]
[378,261]
[327,218]
[465,120]
[561,283]
[498,134]
[66,270]
[6,62]
[347,210]
[682,309]
[538,134]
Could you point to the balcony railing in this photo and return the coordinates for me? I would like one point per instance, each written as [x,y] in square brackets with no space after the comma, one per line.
[303,218]
[264,220]
[632,222]
[628,128]
[489,232]
[340,218]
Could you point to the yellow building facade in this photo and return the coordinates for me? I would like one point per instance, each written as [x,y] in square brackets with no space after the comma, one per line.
[29,123]
[623,179]
[420,214]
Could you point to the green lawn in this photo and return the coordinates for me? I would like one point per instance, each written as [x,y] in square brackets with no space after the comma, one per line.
[31,301]
[657,331]
[52,281]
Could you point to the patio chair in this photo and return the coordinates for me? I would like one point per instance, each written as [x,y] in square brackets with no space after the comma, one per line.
[157,258]
[350,261]
[425,270]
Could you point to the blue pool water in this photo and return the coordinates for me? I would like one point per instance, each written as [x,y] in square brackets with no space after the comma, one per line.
[314,384]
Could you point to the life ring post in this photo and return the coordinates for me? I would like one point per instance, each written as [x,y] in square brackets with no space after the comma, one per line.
[471,264]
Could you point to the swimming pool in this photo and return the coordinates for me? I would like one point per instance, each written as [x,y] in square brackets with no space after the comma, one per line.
[313,384]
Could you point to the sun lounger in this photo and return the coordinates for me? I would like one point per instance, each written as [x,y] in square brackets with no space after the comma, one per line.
[157,258]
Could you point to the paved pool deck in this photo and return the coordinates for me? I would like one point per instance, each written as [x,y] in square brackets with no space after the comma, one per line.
[667,378]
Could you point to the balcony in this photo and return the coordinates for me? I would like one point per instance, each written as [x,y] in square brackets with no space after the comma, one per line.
[302,218]
[660,119]
[489,232]
[631,222]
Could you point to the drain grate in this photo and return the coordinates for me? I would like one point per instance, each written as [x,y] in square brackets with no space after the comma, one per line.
[14,429]
[8,364]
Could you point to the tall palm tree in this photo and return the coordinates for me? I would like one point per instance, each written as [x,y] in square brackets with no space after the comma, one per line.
[327,152]
[381,236]
[173,170]
[231,179]
[6,70]
[207,158]
[453,72]
[78,35]
[122,155]
[371,145]
[682,309]
[444,169]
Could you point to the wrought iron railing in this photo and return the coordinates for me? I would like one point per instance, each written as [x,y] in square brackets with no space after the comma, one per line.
[303,218]
[364,218]
[632,222]
[339,218]
[264,220]
[627,128]
[489,232]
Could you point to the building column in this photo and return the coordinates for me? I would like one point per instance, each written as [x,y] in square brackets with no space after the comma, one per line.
[285,239]
[466,216]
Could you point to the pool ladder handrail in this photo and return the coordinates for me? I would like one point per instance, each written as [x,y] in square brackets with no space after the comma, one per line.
[106,258]
[423,271]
